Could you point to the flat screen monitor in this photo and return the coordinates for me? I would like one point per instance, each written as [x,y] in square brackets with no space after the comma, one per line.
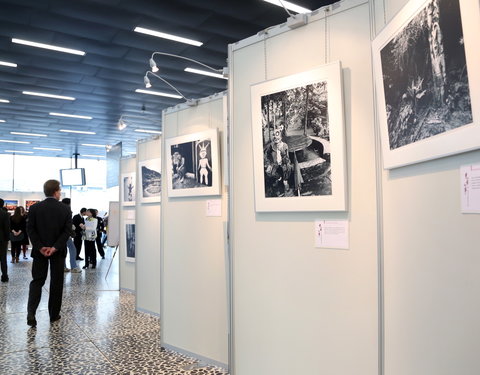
[72,177]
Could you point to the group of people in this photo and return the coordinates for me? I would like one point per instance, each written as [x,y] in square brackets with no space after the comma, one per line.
[51,230]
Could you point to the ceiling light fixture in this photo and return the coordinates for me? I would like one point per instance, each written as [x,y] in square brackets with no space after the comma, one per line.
[94,156]
[148,131]
[48,95]
[2,121]
[19,152]
[122,121]
[48,46]
[92,145]
[288,5]
[9,141]
[146,81]
[76,131]
[205,73]
[175,38]
[121,124]
[48,149]
[29,134]
[220,73]
[158,93]
[190,102]
[4,101]
[72,116]
[10,64]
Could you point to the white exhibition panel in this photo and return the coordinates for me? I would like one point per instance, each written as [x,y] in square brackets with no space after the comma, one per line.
[194,279]
[127,269]
[431,258]
[147,238]
[298,309]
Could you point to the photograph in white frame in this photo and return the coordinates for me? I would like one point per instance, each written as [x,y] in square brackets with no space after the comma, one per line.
[150,180]
[298,135]
[29,203]
[130,240]
[425,62]
[127,189]
[193,165]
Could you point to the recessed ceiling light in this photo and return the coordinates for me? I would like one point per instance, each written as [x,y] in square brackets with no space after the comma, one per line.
[205,73]
[93,156]
[29,134]
[148,131]
[93,145]
[175,38]
[48,95]
[10,64]
[290,6]
[72,116]
[158,93]
[4,101]
[48,149]
[76,131]
[9,141]
[19,152]
[48,46]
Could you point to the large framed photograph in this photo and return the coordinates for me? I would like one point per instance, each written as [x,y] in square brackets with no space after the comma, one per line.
[299,142]
[130,239]
[29,203]
[127,189]
[426,66]
[193,167]
[151,180]
[11,205]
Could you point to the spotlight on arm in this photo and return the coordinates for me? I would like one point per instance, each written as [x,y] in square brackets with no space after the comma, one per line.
[146,81]
[153,65]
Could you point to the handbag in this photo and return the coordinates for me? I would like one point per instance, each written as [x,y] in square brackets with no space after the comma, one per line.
[14,238]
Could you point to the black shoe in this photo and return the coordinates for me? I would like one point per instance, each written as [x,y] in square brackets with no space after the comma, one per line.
[31,321]
[103,257]
[4,279]
[78,258]
[55,319]
[94,266]
[85,267]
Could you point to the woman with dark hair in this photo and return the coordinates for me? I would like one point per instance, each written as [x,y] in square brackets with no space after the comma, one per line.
[26,240]
[100,229]
[89,235]
[18,228]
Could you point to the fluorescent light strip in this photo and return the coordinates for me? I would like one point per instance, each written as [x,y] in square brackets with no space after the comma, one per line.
[19,152]
[29,134]
[48,149]
[2,121]
[148,131]
[8,141]
[175,38]
[48,95]
[94,156]
[48,46]
[205,73]
[4,101]
[290,6]
[72,116]
[93,145]
[76,131]
[158,93]
[6,63]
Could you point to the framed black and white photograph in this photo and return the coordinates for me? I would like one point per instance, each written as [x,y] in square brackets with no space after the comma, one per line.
[426,62]
[299,142]
[127,189]
[193,167]
[151,180]
[130,240]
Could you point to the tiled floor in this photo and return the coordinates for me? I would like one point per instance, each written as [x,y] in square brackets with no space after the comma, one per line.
[99,332]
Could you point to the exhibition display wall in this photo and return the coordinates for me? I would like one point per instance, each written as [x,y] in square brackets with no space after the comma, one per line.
[194,262]
[297,308]
[128,167]
[431,253]
[148,211]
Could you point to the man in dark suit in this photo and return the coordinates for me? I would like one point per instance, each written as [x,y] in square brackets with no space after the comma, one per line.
[79,223]
[4,238]
[49,226]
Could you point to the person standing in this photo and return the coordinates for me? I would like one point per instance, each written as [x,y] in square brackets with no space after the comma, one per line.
[100,229]
[79,223]
[26,240]
[49,226]
[89,237]
[18,226]
[4,237]
[72,250]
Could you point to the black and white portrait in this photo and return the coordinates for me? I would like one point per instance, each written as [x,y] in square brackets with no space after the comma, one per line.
[151,178]
[425,75]
[296,142]
[128,189]
[130,241]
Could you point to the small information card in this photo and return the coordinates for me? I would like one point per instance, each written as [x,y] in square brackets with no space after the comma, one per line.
[214,207]
[331,234]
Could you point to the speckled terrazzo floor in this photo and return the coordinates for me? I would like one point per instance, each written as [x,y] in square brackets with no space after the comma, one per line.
[99,332]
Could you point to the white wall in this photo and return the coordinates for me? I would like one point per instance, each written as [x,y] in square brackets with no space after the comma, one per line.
[148,238]
[194,291]
[298,309]
[431,259]
[127,269]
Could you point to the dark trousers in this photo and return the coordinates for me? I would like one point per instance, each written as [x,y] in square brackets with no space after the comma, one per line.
[77,241]
[98,240]
[39,275]
[3,258]
[90,253]
[16,249]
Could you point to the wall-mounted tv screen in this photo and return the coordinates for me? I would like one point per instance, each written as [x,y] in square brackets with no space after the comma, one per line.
[72,177]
